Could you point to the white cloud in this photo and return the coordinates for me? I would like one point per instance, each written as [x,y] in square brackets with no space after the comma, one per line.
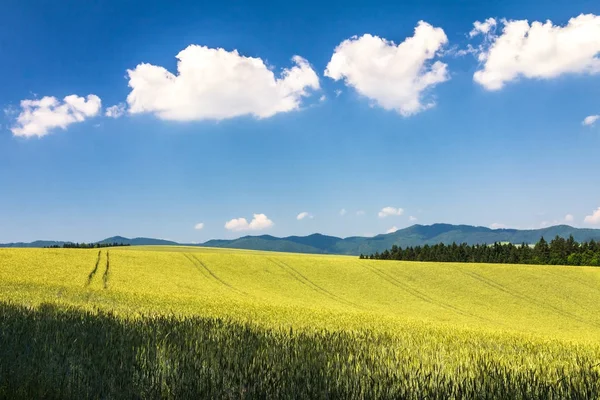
[394,76]
[303,215]
[199,226]
[392,230]
[540,50]
[390,211]
[412,219]
[218,84]
[337,92]
[259,222]
[360,213]
[569,218]
[116,111]
[343,212]
[497,225]
[322,98]
[593,219]
[38,117]
[590,120]
[483,28]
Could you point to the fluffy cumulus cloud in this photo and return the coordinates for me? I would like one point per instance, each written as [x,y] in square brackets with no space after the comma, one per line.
[217,84]
[116,111]
[199,226]
[569,218]
[590,120]
[390,211]
[594,218]
[258,223]
[393,76]
[39,117]
[538,50]
[392,230]
[304,215]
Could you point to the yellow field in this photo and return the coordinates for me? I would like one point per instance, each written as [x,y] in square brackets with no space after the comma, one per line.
[339,292]
[187,322]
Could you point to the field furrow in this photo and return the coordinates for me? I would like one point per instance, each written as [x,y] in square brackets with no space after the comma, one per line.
[93,271]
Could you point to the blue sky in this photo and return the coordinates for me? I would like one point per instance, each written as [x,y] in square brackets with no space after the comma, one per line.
[358,124]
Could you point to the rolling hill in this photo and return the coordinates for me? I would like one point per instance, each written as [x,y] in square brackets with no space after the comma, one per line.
[416,235]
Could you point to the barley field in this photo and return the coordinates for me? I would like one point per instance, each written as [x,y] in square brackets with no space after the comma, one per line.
[189,322]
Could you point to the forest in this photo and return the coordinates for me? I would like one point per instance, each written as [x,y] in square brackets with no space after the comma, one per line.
[70,245]
[559,251]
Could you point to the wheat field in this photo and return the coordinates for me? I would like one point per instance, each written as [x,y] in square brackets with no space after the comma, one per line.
[172,322]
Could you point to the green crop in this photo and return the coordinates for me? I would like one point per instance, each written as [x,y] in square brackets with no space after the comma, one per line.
[181,322]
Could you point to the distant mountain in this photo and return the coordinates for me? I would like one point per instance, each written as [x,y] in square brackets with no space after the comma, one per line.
[115,239]
[416,235]
[140,241]
[37,243]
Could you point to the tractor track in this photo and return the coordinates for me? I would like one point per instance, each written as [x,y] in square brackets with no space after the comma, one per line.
[420,295]
[513,293]
[298,276]
[93,271]
[196,266]
[203,267]
[106,275]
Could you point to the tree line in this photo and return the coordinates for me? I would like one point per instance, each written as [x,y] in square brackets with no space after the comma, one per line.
[559,251]
[86,245]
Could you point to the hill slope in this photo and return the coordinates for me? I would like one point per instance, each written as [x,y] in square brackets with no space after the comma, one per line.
[311,290]
[416,235]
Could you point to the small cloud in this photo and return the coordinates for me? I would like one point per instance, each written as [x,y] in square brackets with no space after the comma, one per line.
[594,218]
[483,28]
[569,218]
[259,222]
[322,98]
[199,226]
[338,92]
[497,225]
[412,219]
[304,215]
[343,212]
[11,111]
[456,52]
[590,120]
[360,213]
[116,111]
[392,230]
[390,211]
[38,117]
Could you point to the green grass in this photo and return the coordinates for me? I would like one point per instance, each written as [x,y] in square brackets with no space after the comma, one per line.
[182,321]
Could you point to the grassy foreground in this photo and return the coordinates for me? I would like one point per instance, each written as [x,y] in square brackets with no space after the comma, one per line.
[185,322]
